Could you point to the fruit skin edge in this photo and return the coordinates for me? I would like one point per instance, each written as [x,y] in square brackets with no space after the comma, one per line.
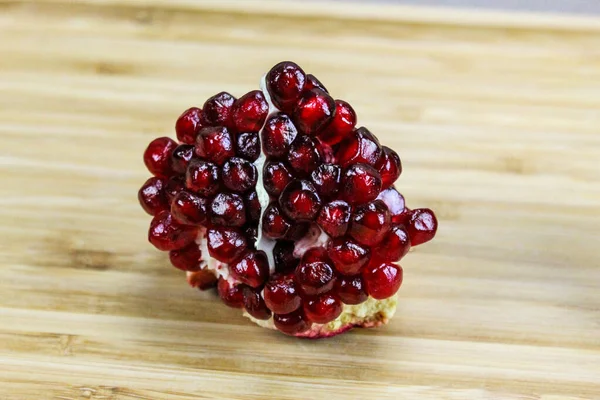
[369,314]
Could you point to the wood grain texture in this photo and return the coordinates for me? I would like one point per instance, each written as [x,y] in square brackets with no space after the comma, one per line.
[497,119]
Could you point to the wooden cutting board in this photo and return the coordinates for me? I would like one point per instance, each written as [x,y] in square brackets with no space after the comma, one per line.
[496,117]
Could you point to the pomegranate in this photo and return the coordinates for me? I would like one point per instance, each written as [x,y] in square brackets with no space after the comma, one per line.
[283,204]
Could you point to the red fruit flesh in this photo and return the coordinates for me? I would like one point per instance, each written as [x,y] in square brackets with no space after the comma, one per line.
[422,226]
[313,83]
[276,176]
[274,224]
[389,167]
[285,82]
[291,324]
[361,183]
[239,175]
[342,124]
[322,309]
[348,256]
[315,276]
[361,146]
[326,179]
[255,304]
[394,245]
[278,135]
[314,111]
[152,196]
[174,185]
[203,279]
[382,280]
[215,144]
[334,218]
[225,244]
[217,110]
[300,201]
[395,203]
[248,146]
[252,269]
[188,125]
[351,289]
[283,255]
[252,207]
[231,295]
[166,233]
[189,208]
[228,209]
[249,112]
[157,157]
[304,156]
[186,259]
[281,294]
[203,177]
[370,223]
[181,157]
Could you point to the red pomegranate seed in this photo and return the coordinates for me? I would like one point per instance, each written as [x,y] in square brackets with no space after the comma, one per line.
[314,110]
[239,175]
[342,124]
[157,157]
[255,305]
[174,185]
[304,156]
[351,289]
[395,203]
[322,309]
[361,146]
[315,273]
[167,234]
[217,110]
[215,144]
[252,269]
[202,279]
[252,206]
[292,323]
[300,201]
[281,294]
[347,255]
[249,112]
[276,176]
[313,83]
[189,208]
[370,223]
[361,183]
[389,167]
[394,245]
[152,196]
[186,259]
[203,177]
[188,125]
[231,295]
[225,244]
[274,224]
[181,157]
[297,231]
[228,209]
[382,280]
[334,218]
[327,179]
[251,232]
[285,82]
[283,254]
[278,135]
[422,226]
[248,146]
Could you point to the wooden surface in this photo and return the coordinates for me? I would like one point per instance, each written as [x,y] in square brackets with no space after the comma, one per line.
[497,119]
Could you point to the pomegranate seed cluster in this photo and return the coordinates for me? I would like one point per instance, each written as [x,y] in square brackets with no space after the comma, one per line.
[282,203]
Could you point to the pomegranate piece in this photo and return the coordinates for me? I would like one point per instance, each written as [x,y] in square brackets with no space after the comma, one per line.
[300,201]
[152,196]
[225,244]
[313,83]
[252,269]
[281,294]
[255,304]
[215,144]
[248,146]
[370,223]
[314,111]
[228,209]
[334,218]
[304,156]
[283,255]
[276,176]
[278,135]
[394,245]
[239,175]
[347,255]
[203,177]
[166,233]
[252,207]
[186,259]
[395,203]
[360,147]
[274,224]
[174,185]
[231,295]
[188,125]
[189,208]
[326,179]
[249,112]
[382,280]
[217,110]
[315,273]
[285,83]
[202,279]
[361,183]
[322,309]
[351,289]
[181,157]
[157,157]
[292,323]
[389,167]
[422,226]
[342,124]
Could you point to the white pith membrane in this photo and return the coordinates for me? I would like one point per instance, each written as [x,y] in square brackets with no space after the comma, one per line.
[368,314]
